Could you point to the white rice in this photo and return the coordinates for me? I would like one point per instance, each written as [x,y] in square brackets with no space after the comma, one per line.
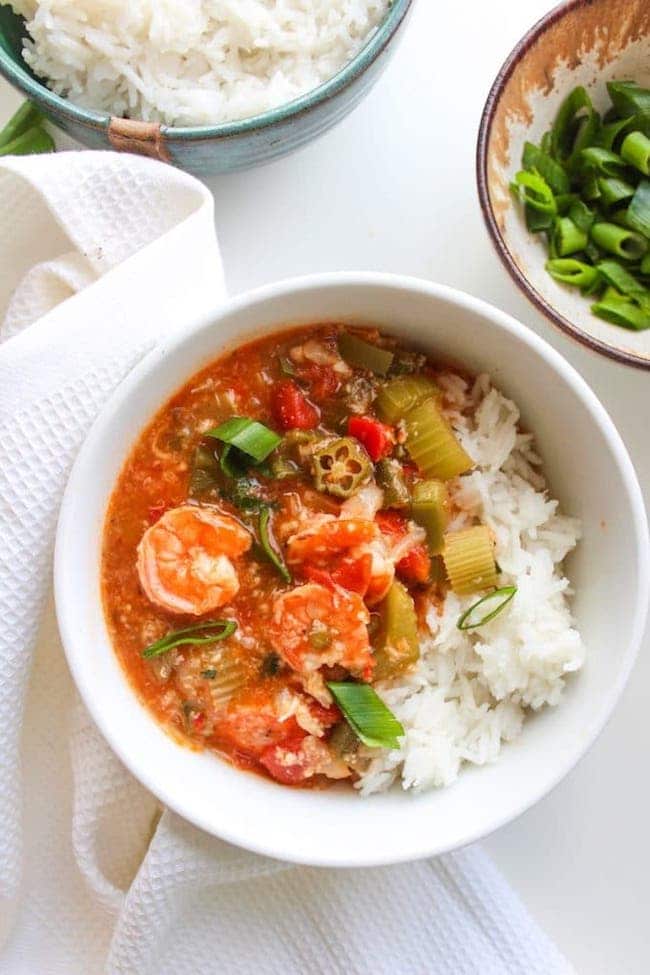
[192,62]
[471,689]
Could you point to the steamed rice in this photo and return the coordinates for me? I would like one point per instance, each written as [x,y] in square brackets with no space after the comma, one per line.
[192,62]
[471,689]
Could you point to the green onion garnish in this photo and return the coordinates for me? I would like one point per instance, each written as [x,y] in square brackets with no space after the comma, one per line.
[584,188]
[364,355]
[209,632]
[471,619]
[265,540]
[366,713]
[251,437]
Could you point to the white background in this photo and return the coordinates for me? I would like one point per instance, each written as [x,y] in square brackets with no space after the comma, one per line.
[393,188]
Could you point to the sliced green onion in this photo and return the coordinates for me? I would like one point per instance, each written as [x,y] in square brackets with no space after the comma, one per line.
[567,237]
[635,149]
[614,308]
[533,190]
[364,355]
[582,215]
[570,271]
[535,159]
[249,436]
[610,132]
[603,161]
[625,282]
[25,118]
[645,264]
[617,240]
[613,191]
[628,98]
[637,215]
[33,141]
[366,713]
[566,128]
[537,220]
[471,618]
[209,632]
[271,552]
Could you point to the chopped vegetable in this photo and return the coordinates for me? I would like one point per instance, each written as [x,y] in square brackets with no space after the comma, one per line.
[376,437]
[24,135]
[592,202]
[390,478]
[270,549]
[34,141]
[364,355]
[398,396]
[366,713]
[23,119]
[570,271]
[535,159]
[396,645]
[469,560]
[534,192]
[249,436]
[567,237]
[341,467]
[637,215]
[205,472]
[486,608]
[344,741]
[208,632]
[415,566]
[615,308]
[292,409]
[617,240]
[430,508]
[432,444]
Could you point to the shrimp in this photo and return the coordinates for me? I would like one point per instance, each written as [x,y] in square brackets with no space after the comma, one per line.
[184,560]
[344,541]
[316,625]
[323,539]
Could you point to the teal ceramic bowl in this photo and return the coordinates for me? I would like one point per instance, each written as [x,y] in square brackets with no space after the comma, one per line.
[206,150]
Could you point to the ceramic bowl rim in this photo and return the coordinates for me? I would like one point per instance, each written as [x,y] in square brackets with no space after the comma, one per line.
[66,596]
[369,53]
[519,51]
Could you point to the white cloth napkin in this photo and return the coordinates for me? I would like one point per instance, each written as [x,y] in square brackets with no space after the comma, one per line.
[100,255]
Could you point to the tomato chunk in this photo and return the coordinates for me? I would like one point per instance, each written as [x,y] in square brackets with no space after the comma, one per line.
[416,566]
[377,437]
[296,759]
[391,522]
[292,409]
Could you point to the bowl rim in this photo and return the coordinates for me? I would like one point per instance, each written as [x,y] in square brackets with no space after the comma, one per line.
[362,60]
[65,594]
[504,74]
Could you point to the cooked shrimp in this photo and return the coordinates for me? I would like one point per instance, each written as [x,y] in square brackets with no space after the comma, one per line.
[325,537]
[364,504]
[184,560]
[324,543]
[315,626]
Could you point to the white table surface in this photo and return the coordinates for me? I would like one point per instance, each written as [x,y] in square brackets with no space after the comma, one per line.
[393,188]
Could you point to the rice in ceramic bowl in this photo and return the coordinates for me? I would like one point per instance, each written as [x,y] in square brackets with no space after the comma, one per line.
[192,62]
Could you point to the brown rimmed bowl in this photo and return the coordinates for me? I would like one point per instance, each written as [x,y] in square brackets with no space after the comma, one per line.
[580,42]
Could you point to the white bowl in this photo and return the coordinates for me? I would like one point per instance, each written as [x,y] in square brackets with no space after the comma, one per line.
[589,470]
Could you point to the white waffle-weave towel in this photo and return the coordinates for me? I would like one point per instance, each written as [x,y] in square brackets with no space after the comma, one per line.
[101,254]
